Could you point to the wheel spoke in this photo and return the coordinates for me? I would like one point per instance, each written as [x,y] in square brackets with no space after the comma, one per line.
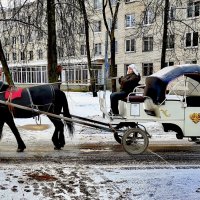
[135,141]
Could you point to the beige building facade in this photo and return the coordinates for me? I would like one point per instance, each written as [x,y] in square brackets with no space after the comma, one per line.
[139,34]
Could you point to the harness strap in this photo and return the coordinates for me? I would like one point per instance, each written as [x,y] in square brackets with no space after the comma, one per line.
[1,86]
[52,92]
[33,106]
[31,100]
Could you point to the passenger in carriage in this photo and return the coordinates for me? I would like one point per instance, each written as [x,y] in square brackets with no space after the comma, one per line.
[127,84]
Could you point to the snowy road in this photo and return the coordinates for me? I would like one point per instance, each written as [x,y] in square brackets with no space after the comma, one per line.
[52,180]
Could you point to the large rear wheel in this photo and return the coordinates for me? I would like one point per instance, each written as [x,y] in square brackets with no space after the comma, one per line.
[135,141]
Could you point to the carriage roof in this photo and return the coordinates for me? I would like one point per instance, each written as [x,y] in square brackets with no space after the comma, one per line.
[156,84]
[170,73]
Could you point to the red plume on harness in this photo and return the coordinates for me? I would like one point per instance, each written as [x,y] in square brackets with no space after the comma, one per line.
[12,93]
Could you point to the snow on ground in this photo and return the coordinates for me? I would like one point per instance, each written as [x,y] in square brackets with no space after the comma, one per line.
[65,181]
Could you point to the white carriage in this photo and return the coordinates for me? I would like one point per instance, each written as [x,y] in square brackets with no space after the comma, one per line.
[171,97]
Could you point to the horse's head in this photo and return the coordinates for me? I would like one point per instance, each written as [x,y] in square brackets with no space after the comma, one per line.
[3,86]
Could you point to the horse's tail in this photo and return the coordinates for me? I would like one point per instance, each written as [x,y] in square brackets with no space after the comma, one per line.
[66,113]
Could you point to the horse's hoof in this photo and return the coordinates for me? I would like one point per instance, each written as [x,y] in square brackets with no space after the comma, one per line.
[57,148]
[20,150]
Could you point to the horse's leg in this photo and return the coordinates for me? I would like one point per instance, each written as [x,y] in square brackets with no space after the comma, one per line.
[58,138]
[11,124]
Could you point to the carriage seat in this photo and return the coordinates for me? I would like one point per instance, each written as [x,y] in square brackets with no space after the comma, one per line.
[193,101]
[134,98]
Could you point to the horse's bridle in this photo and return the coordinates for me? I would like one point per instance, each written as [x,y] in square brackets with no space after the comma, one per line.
[1,86]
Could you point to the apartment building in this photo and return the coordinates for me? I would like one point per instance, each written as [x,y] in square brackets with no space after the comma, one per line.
[138,35]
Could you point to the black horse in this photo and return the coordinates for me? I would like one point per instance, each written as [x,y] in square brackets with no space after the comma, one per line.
[48,98]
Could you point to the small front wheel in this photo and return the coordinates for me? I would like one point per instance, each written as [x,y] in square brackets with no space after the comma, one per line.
[135,141]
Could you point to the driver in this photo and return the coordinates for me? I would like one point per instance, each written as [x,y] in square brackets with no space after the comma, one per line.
[127,84]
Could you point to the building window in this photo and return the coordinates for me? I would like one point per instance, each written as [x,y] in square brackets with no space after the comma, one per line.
[71,50]
[14,56]
[113,2]
[97,49]
[172,13]
[83,50]
[82,28]
[130,45]
[147,69]
[167,64]
[30,55]
[22,39]
[97,26]
[148,44]
[30,37]
[39,35]
[29,74]
[6,41]
[170,41]
[14,40]
[40,54]
[191,39]
[129,1]
[22,55]
[191,62]
[78,73]
[7,56]
[110,23]
[148,17]
[193,9]
[60,52]
[97,4]
[116,47]
[129,21]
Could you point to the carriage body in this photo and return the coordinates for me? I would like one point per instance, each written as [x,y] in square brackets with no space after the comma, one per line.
[176,106]
[173,113]
[171,97]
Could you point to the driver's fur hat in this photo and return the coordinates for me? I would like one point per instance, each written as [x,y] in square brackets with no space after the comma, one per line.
[134,68]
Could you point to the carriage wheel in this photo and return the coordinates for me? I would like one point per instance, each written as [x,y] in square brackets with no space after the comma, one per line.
[135,141]
[121,129]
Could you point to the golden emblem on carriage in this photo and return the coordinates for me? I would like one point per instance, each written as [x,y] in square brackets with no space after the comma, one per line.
[195,117]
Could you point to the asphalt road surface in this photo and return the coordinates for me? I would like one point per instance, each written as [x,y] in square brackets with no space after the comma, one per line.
[158,152]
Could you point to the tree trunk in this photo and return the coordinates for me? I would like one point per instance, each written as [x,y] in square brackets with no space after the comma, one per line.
[165,29]
[92,79]
[5,67]
[111,33]
[52,46]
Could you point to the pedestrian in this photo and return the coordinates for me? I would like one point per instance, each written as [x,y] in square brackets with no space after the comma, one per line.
[59,73]
[127,85]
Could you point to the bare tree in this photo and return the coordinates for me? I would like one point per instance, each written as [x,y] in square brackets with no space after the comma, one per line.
[52,47]
[5,67]
[87,36]
[165,30]
[107,4]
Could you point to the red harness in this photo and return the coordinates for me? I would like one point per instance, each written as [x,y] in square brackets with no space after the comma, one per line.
[13,93]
